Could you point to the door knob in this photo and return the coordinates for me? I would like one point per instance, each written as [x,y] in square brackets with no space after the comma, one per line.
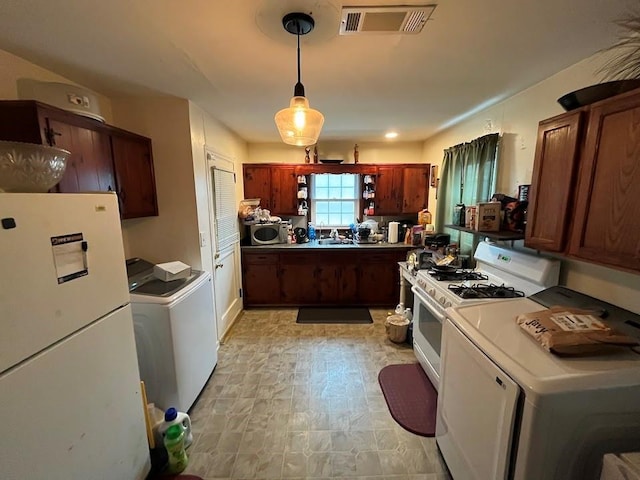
[219,265]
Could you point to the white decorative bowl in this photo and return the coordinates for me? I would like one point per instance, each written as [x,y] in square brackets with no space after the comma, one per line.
[28,167]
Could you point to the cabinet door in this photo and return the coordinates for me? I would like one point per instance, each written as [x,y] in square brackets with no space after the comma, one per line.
[347,293]
[134,174]
[379,279]
[389,190]
[257,183]
[89,168]
[284,189]
[552,192]
[260,279]
[327,282]
[606,228]
[415,188]
[299,278]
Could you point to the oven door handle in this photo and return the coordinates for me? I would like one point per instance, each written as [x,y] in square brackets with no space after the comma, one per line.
[428,303]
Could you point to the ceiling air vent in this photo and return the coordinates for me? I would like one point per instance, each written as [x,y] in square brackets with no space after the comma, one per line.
[406,19]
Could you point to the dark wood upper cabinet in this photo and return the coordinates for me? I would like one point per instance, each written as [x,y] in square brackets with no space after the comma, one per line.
[552,187]
[607,226]
[388,200]
[284,189]
[90,166]
[585,191]
[399,188]
[135,176]
[415,188]
[94,164]
[257,183]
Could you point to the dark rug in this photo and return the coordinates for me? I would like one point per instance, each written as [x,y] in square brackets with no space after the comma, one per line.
[333,315]
[410,397]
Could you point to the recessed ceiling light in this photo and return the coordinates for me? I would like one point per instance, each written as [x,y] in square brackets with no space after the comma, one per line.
[391,135]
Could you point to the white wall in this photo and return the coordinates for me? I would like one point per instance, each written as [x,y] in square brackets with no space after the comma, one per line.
[12,68]
[173,234]
[517,119]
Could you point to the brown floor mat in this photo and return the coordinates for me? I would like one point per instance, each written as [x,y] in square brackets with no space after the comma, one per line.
[410,397]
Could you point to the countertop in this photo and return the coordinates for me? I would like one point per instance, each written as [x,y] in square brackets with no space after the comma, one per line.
[314,245]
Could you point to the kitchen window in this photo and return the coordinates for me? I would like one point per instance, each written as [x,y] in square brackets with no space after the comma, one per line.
[334,199]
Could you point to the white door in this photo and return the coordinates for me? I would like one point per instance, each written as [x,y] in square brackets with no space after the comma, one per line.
[226,241]
[476,410]
[62,267]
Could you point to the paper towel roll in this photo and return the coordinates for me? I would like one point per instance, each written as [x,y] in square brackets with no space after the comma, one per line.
[393,232]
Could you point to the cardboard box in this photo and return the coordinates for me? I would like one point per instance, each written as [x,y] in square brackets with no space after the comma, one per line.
[488,217]
[171,271]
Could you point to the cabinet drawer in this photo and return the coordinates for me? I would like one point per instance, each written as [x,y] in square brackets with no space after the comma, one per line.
[259,258]
[297,259]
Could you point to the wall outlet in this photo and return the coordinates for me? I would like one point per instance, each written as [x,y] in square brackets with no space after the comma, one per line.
[523,144]
[203,239]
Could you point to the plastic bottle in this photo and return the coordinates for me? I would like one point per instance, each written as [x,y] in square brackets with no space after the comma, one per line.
[311,231]
[174,417]
[174,443]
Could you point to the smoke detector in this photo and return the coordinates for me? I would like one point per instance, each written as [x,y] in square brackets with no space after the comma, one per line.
[403,19]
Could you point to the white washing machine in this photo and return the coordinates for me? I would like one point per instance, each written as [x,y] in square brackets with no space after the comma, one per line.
[175,331]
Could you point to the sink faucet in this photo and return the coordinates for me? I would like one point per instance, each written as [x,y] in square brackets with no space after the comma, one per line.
[320,228]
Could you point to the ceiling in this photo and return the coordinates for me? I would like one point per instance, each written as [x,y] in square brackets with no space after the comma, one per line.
[234,59]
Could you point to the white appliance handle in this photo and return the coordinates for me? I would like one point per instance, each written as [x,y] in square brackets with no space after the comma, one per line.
[429,303]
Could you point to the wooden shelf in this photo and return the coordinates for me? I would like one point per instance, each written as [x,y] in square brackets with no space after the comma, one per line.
[501,235]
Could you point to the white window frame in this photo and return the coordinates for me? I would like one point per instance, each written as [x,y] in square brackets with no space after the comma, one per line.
[313,199]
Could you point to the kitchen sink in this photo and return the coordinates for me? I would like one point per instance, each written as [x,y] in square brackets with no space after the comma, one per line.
[334,241]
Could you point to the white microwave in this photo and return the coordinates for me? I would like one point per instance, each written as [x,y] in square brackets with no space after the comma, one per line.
[268,233]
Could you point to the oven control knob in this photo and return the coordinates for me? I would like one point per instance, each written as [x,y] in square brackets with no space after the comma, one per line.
[441,300]
[447,304]
[432,292]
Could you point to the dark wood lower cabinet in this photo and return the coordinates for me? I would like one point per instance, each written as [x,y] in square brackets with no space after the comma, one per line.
[298,280]
[379,278]
[260,279]
[359,277]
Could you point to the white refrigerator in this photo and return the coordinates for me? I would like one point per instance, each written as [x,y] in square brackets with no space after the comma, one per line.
[70,399]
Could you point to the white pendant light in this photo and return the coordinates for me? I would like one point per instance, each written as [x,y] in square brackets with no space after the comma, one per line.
[299,125]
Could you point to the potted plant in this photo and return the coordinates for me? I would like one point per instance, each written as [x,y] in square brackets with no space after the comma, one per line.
[621,73]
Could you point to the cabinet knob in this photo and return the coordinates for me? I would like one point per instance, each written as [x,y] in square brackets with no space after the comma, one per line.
[50,134]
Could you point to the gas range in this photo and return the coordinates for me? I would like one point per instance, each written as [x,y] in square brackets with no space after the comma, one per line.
[482,291]
[500,274]
[463,287]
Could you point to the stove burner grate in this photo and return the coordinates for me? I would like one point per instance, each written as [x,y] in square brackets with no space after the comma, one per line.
[485,291]
[457,275]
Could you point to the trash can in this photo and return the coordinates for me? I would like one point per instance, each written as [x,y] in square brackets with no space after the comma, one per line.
[396,327]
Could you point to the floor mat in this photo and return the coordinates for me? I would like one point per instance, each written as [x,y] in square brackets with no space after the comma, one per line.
[410,397]
[333,315]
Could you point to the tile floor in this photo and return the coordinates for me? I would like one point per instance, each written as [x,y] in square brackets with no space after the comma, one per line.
[290,401]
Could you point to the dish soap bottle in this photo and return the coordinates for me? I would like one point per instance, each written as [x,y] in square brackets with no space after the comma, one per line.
[311,231]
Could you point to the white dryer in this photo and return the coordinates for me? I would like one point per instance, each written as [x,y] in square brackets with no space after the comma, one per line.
[175,332]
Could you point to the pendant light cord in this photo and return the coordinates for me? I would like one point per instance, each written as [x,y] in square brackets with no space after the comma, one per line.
[298,90]
[298,25]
